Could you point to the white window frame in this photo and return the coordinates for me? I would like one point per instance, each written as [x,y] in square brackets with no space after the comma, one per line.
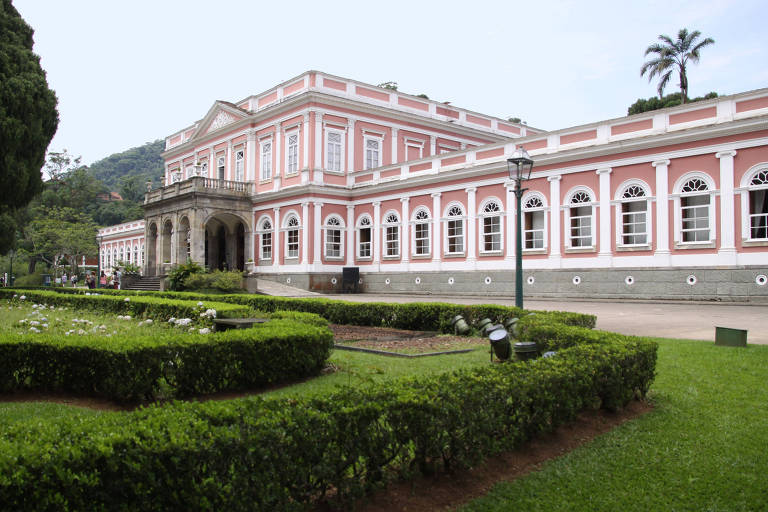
[342,150]
[389,226]
[364,222]
[221,166]
[482,215]
[292,152]
[619,216]
[379,139]
[204,168]
[333,224]
[415,222]
[175,175]
[262,231]
[447,220]
[290,231]
[240,163]
[265,159]
[677,197]
[746,216]
[544,209]
[567,230]
[414,143]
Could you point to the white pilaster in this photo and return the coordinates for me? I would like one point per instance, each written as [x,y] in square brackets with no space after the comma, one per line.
[404,234]
[277,159]
[394,146]
[662,209]
[604,249]
[250,150]
[432,144]
[350,151]
[376,232]
[318,140]
[276,239]
[511,210]
[350,249]
[471,225]
[317,238]
[228,171]
[304,234]
[727,251]
[436,231]
[305,142]
[211,163]
[554,220]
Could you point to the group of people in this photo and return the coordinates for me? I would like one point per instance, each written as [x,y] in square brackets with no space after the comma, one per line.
[91,281]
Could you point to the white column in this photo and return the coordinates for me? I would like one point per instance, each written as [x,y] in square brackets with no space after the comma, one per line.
[350,249]
[394,146]
[304,233]
[276,240]
[432,144]
[250,150]
[604,249]
[318,140]
[211,163]
[317,234]
[350,151]
[554,219]
[511,208]
[305,142]
[436,225]
[727,251]
[662,210]
[405,236]
[376,231]
[277,162]
[471,224]
[228,171]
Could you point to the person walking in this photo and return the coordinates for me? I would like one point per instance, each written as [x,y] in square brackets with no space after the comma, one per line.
[102,280]
[117,279]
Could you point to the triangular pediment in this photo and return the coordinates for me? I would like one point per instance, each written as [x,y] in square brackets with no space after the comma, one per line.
[219,115]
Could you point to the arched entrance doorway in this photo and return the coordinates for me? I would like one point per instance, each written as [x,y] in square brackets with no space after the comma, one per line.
[225,242]
[151,246]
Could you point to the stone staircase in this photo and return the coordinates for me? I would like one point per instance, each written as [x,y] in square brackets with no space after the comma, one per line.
[144,283]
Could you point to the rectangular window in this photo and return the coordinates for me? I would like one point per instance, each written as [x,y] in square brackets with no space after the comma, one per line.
[491,234]
[333,151]
[292,154]
[372,153]
[365,243]
[266,246]
[581,226]
[455,236]
[633,223]
[393,241]
[695,217]
[293,243]
[220,166]
[333,243]
[421,237]
[758,214]
[266,160]
[533,231]
[239,159]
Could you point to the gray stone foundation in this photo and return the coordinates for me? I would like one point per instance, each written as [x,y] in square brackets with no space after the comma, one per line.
[720,284]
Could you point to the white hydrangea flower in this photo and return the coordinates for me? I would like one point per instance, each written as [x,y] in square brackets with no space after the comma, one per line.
[34,329]
[80,331]
[127,299]
[204,330]
[172,320]
[200,304]
[23,297]
[148,321]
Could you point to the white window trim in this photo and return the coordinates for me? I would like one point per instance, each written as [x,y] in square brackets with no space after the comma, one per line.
[545,209]
[566,207]
[261,231]
[744,190]
[286,229]
[239,163]
[262,142]
[481,215]
[618,218]
[329,227]
[445,220]
[380,140]
[677,209]
[221,162]
[359,226]
[288,135]
[428,221]
[342,153]
[414,143]
[398,226]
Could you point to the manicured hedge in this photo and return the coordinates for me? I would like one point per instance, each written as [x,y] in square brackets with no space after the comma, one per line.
[417,316]
[172,365]
[288,454]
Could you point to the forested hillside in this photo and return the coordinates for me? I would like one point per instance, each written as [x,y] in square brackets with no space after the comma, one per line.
[131,169]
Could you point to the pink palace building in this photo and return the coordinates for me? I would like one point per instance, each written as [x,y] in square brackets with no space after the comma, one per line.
[322,173]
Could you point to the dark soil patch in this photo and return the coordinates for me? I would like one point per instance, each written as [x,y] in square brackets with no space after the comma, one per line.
[397,340]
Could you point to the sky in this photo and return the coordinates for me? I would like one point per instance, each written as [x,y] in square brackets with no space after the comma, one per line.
[127,73]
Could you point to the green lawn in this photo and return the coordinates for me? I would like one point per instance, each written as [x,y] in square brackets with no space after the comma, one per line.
[703,448]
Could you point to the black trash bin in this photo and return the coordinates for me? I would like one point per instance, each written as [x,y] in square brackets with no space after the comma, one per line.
[350,277]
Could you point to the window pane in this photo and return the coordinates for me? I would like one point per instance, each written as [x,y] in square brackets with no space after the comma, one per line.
[695,218]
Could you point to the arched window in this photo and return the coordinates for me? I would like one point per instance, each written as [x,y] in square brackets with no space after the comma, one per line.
[454,224]
[265,239]
[333,246]
[490,216]
[633,215]
[581,220]
[421,238]
[758,206]
[533,223]
[694,212]
[292,237]
[391,235]
[364,237]
[239,165]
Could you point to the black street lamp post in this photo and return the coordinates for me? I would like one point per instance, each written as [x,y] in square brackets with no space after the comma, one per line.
[98,262]
[519,167]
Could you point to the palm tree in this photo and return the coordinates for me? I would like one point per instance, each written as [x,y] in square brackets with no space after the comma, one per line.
[674,55]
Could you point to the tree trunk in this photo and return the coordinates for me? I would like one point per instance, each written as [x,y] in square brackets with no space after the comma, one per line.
[31,265]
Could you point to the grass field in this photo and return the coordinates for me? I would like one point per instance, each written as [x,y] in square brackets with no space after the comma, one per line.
[703,448]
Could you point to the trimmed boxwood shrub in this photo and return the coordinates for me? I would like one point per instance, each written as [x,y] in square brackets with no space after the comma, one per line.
[288,454]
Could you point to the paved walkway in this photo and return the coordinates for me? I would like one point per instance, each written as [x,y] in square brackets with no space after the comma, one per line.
[667,319]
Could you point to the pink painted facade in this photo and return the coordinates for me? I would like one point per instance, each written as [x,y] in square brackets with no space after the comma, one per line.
[323,172]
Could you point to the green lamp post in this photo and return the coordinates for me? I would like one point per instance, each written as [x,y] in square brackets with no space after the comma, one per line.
[519,167]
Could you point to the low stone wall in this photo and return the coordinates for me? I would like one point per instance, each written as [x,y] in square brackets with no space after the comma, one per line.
[723,284]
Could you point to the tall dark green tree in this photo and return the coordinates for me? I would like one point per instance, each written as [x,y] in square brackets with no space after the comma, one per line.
[671,56]
[28,118]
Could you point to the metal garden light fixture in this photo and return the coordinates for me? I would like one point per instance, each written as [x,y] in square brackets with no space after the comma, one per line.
[519,167]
